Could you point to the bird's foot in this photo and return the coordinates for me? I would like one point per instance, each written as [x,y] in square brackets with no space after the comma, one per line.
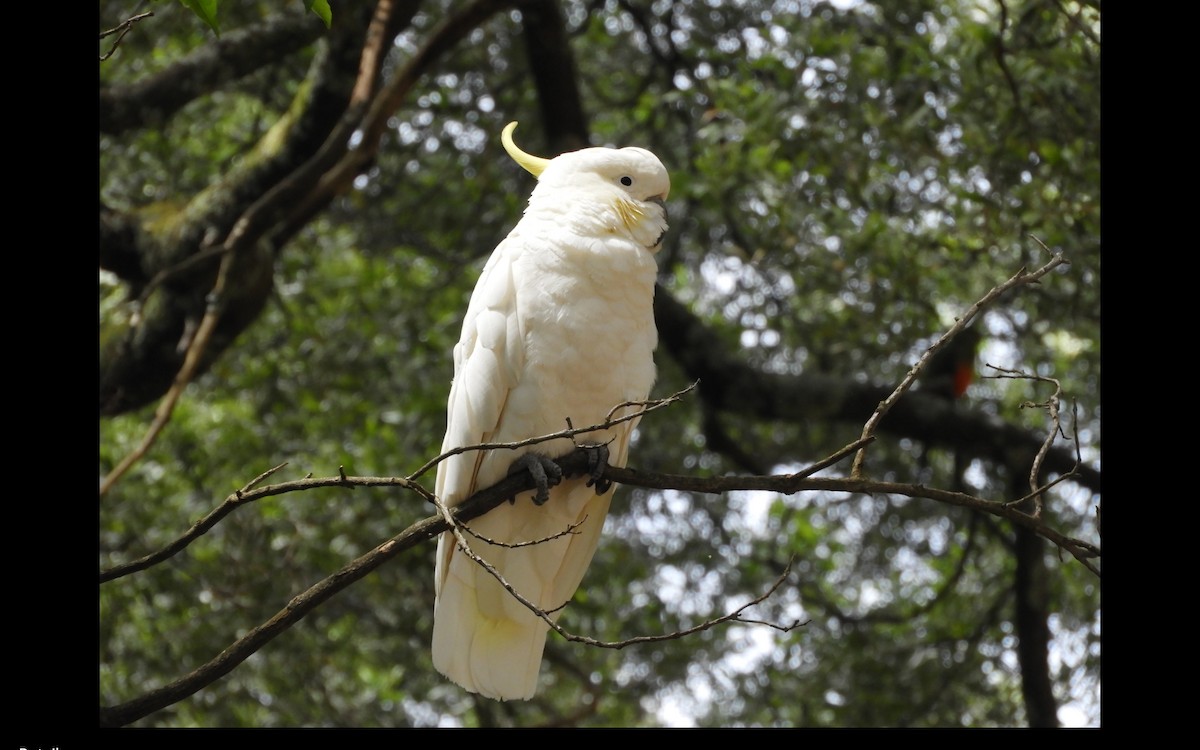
[597,456]
[545,472]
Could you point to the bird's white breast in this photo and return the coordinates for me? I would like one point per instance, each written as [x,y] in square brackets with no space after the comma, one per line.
[585,310]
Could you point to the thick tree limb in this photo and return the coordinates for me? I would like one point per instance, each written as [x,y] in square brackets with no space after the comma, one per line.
[265,204]
[553,68]
[339,173]
[1031,619]
[140,363]
[153,100]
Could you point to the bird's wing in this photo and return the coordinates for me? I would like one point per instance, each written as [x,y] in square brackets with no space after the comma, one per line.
[488,360]
[483,638]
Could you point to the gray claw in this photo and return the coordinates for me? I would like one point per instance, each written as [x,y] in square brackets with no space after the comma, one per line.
[597,463]
[544,471]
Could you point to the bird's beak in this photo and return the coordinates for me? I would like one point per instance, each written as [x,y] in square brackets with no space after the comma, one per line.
[534,165]
[661,202]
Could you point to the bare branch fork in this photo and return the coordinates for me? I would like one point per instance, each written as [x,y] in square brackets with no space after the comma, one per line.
[1051,405]
[121,30]
[1020,278]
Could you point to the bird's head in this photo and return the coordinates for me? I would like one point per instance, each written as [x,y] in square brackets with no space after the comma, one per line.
[631,182]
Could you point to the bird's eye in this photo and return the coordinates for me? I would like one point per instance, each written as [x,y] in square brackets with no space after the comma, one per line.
[626,181]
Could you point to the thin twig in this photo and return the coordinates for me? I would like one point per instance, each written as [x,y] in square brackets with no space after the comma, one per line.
[1051,406]
[1019,278]
[833,458]
[545,615]
[532,542]
[245,496]
[122,29]
[259,479]
[570,432]
[191,363]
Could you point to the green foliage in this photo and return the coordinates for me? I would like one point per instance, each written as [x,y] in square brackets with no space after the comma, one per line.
[847,179]
[208,11]
[322,9]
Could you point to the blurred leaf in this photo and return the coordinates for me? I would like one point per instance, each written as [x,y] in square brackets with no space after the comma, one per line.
[206,10]
[321,8]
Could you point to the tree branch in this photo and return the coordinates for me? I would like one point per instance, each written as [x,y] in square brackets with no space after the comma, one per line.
[121,30]
[1018,279]
[241,245]
[339,164]
[552,67]
[140,362]
[154,99]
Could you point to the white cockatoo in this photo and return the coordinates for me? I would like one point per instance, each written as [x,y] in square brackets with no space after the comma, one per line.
[560,326]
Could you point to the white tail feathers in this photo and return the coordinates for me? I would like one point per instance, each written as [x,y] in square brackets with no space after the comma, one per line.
[484,639]
[497,658]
